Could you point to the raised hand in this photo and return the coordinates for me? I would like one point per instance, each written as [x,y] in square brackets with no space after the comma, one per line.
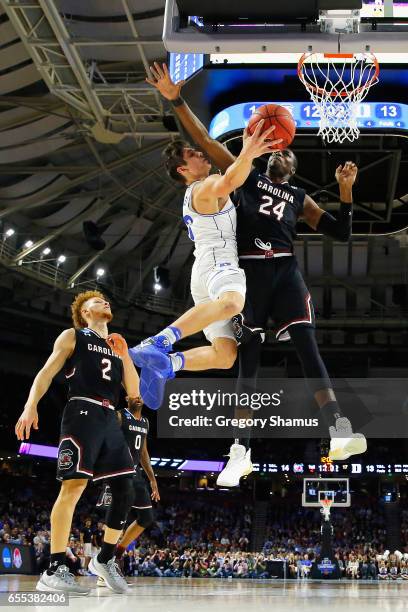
[259,143]
[346,175]
[161,80]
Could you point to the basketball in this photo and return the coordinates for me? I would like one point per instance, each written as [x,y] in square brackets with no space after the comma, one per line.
[280,117]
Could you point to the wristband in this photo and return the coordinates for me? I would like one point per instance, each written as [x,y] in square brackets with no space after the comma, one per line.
[177,102]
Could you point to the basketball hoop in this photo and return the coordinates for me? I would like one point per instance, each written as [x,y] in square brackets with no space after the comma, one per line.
[337,84]
[326,507]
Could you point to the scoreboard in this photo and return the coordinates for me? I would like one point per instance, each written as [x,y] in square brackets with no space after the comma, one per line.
[370,115]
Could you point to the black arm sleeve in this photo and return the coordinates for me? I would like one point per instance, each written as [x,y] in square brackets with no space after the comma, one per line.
[338,228]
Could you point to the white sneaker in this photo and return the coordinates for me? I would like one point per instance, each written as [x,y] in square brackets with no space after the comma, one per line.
[101,582]
[344,442]
[111,574]
[239,465]
[61,581]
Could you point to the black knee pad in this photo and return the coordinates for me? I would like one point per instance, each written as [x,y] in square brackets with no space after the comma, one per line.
[145,517]
[122,499]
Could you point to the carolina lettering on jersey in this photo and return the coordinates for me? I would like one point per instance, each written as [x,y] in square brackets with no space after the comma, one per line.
[101,349]
[267,212]
[93,370]
[135,432]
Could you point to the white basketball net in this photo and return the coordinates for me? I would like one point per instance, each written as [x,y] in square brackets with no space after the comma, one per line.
[326,507]
[337,84]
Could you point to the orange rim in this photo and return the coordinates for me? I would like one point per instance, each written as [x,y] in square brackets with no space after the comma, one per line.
[335,93]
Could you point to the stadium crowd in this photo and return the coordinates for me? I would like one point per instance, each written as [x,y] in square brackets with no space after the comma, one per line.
[194,536]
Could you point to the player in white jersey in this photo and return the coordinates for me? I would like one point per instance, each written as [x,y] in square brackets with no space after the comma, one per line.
[217,283]
[216,261]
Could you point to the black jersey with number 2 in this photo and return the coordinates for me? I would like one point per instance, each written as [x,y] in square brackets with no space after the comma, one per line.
[93,370]
[267,213]
[135,432]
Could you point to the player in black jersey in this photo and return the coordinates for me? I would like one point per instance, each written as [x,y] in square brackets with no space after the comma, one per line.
[135,428]
[268,208]
[92,444]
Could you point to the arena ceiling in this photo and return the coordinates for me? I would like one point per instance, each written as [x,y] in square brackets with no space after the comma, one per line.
[81,140]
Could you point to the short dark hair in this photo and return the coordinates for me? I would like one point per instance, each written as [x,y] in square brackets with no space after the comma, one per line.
[173,159]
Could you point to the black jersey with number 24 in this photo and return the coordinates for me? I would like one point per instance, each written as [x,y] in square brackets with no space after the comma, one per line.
[267,213]
[135,432]
[93,370]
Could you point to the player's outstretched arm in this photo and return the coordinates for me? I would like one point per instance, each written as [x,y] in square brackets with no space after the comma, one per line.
[147,466]
[338,228]
[216,186]
[161,80]
[63,348]
[130,379]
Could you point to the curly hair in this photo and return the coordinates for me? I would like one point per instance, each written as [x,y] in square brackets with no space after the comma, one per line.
[77,304]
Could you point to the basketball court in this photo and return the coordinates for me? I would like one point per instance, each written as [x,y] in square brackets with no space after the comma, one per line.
[183,595]
[340,72]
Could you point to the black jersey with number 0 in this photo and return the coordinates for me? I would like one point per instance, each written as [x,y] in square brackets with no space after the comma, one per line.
[267,212]
[93,370]
[135,432]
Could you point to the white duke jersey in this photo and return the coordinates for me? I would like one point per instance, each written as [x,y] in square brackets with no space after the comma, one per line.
[212,234]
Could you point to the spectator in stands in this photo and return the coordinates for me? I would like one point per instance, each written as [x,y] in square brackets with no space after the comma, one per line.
[292,565]
[404,570]
[225,570]
[352,567]
[130,564]
[73,560]
[368,568]
[341,564]
[149,568]
[97,538]
[393,567]
[240,568]
[260,567]
[86,541]
[305,565]
[383,570]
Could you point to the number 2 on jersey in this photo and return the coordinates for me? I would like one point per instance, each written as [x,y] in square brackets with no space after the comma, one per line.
[277,209]
[106,368]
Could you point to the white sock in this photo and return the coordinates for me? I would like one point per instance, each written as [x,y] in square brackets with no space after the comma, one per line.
[177,361]
[171,333]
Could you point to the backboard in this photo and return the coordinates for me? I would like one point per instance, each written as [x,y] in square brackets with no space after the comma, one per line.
[316,489]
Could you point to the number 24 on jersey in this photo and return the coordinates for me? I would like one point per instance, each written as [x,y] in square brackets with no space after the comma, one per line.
[277,210]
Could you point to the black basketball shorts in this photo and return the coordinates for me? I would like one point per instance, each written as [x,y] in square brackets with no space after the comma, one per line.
[92,444]
[276,289]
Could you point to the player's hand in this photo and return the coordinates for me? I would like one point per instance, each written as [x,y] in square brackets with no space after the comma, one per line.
[346,175]
[161,80]
[117,344]
[260,142]
[155,491]
[28,419]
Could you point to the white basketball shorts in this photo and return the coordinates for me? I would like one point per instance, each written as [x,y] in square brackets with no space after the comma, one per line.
[211,277]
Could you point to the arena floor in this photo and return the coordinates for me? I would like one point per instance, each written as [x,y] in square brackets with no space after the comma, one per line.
[199,595]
